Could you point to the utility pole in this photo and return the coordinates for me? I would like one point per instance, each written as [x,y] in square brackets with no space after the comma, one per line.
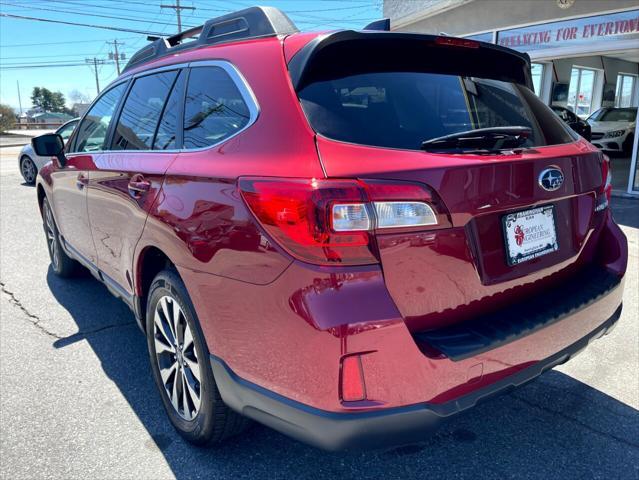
[19,99]
[178,8]
[95,62]
[115,55]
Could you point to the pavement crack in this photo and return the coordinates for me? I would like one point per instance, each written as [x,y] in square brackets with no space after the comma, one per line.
[33,318]
[60,340]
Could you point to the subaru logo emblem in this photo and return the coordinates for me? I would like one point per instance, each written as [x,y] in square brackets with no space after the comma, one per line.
[551,179]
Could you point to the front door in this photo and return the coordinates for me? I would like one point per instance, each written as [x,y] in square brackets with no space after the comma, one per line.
[70,182]
[128,177]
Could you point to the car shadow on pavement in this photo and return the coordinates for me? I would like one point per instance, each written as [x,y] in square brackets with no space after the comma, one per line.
[555,427]
[626,211]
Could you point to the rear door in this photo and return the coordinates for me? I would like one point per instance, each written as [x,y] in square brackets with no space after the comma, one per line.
[127,178]
[70,182]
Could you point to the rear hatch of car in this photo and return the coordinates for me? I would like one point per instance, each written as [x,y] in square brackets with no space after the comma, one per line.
[518,196]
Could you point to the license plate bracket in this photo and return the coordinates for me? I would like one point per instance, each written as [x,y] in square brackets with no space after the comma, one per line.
[529,234]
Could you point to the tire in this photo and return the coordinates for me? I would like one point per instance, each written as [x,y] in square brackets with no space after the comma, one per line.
[61,264]
[203,421]
[28,170]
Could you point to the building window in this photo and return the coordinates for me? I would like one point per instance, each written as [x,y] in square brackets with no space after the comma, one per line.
[580,91]
[625,88]
[537,72]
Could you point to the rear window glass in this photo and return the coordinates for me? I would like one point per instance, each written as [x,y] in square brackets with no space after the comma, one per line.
[404,109]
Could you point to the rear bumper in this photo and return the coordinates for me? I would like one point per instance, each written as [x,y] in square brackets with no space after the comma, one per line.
[371,429]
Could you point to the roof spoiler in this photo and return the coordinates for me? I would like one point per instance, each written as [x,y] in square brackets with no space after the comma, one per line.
[250,23]
[347,52]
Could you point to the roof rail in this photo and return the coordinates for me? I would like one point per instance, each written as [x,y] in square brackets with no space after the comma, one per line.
[253,22]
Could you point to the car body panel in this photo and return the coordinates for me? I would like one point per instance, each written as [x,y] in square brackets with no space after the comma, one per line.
[69,202]
[117,213]
[284,325]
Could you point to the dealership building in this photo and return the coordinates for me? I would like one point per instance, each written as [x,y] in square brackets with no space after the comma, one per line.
[584,53]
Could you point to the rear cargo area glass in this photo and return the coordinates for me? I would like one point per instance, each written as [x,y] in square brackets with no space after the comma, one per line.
[403,109]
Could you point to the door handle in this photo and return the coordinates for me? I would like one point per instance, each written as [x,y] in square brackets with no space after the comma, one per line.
[82,181]
[138,186]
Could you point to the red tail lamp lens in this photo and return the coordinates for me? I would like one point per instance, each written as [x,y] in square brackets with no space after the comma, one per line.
[353,388]
[297,214]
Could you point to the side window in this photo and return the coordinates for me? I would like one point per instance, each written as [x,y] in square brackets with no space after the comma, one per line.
[141,111]
[94,127]
[66,130]
[214,108]
[165,138]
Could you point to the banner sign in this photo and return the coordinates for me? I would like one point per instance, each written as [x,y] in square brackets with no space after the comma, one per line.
[568,33]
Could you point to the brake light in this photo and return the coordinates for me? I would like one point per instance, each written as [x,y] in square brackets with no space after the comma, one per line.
[606,173]
[329,222]
[456,42]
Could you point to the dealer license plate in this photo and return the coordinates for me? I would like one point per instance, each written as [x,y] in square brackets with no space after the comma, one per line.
[529,234]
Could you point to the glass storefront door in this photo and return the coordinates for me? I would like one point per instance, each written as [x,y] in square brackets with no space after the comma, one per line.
[580,91]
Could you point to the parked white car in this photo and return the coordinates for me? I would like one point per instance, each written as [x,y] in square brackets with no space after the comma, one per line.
[30,163]
[613,129]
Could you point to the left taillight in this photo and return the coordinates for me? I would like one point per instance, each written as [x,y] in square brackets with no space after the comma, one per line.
[333,221]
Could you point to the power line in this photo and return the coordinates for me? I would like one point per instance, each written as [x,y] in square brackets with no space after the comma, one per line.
[50,55]
[119,8]
[16,45]
[113,17]
[22,67]
[178,10]
[96,62]
[116,55]
[104,27]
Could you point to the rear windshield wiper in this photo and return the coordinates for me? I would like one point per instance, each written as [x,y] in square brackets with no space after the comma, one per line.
[492,139]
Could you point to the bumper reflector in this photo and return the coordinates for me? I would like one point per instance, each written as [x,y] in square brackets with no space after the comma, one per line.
[352,384]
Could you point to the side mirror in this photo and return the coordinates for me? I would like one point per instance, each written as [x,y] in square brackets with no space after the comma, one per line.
[50,145]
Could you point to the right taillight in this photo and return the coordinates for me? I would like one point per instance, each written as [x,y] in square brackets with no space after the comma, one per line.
[603,199]
[333,221]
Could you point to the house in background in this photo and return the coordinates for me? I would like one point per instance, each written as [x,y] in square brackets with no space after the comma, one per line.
[51,118]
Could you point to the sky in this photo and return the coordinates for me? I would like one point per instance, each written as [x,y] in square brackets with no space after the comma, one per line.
[52,55]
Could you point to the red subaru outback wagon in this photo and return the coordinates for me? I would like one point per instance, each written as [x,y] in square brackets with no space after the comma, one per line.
[347,236]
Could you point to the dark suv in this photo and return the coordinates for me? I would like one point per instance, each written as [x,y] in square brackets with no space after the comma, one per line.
[347,236]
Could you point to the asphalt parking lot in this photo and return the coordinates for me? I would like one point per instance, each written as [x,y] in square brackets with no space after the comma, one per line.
[77,399]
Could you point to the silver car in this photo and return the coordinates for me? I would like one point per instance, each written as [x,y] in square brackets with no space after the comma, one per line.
[30,163]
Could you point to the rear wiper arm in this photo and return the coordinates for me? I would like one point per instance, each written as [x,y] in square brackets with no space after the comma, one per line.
[494,138]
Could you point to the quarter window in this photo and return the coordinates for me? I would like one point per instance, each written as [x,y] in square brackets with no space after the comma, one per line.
[140,115]
[93,130]
[214,108]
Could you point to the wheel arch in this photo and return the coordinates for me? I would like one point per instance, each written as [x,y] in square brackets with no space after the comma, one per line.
[41,195]
[150,261]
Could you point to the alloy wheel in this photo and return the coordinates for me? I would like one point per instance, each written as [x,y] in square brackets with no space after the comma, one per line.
[177,358]
[49,229]
[28,169]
